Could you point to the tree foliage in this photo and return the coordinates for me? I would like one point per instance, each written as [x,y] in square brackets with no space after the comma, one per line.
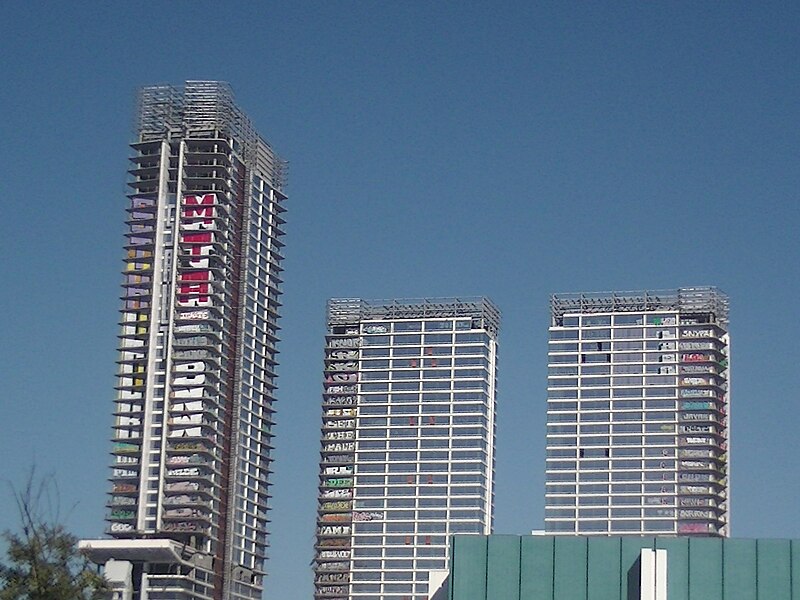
[42,561]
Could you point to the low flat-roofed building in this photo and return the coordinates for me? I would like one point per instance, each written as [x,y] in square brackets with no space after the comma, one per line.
[510,567]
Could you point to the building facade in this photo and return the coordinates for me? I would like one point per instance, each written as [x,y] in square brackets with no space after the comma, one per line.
[407,454]
[637,413]
[510,567]
[197,352]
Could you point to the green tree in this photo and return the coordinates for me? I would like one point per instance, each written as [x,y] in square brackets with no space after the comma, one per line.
[42,561]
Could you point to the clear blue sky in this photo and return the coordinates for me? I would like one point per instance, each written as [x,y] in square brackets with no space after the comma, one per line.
[436,148]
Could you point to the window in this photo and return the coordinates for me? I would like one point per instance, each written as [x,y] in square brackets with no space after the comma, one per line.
[438,325]
[407,326]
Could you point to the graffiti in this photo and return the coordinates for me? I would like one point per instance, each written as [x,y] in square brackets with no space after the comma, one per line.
[185,460]
[196,366]
[197,241]
[341,401]
[337,494]
[367,516]
[192,419]
[335,517]
[695,464]
[694,358]
[696,346]
[180,526]
[697,369]
[190,432]
[692,393]
[334,542]
[696,333]
[697,405]
[122,501]
[697,429]
[344,343]
[343,366]
[338,470]
[188,446]
[376,329]
[182,486]
[698,440]
[125,473]
[333,577]
[126,448]
[340,412]
[122,514]
[341,389]
[333,566]
[189,472]
[334,554]
[194,328]
[339,447]
[696,502]
[341,377]
[340,424]
[187,406]
[195,340]
[340,435]
[119,527]
[694,381]
[693,527]
[343,354]
[192,315]
[340,505]
[695,477]
[657,500]
[695,514]
[339,458]
[123,487]
[694,489]
[191,354]
[339,482]
[184,512]
[697,453]
[332,589]
[696,417]
[334,530]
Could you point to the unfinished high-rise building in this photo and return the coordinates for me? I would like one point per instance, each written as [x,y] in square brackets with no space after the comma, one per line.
[187,510]
[408,439]
[637,413]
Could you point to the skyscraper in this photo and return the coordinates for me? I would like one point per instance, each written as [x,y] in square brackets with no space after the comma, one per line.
[407,452]
[637,413]
[200,293]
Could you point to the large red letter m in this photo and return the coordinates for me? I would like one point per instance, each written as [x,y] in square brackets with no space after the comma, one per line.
[199,206]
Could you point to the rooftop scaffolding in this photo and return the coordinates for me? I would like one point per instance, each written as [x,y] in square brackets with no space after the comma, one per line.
[202,109]
[684,300]
[344,311]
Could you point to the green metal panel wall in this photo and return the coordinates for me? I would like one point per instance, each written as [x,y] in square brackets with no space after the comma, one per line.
[605,568]
[677,566]
[502,577]
[603,562]
[468,559]
[536,568]
[705,568]
[569,572]
[739,570]
[774,569]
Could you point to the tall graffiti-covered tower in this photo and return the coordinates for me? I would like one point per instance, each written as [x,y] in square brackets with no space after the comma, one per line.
[193,413]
